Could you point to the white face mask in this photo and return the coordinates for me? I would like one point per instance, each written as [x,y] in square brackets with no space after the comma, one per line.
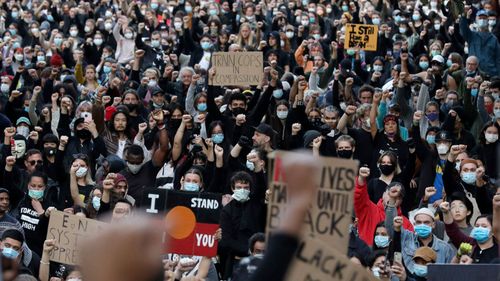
[73,33]
[19,149]
[134,168]
[23,131]
[241,195]
[87,29]
[5,88]
[442,149]
[289,34]
[19,57]
[491,138]
[177,25]
[81,172]
[108,26]
[129,35]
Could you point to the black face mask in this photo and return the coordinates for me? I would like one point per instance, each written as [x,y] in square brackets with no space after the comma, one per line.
[238,110]
[132,106]
[316,122]
[49,151]
[83,134]
[174,123]
[386,169]
[346,154]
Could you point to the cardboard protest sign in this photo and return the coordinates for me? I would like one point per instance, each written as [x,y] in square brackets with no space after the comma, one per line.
[317,261]
[330,214]
[363,35]
[193,219]
[68,231]
[237,68]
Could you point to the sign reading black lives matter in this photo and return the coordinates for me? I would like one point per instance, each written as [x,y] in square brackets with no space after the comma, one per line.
[193,219]
[237,68]
[322,253]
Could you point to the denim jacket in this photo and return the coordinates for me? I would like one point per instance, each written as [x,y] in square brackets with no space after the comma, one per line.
[409,244]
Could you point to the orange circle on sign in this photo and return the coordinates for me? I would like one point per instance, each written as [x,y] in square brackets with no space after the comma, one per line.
[181,222]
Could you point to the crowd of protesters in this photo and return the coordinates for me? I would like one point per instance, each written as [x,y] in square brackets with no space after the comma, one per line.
[100,100]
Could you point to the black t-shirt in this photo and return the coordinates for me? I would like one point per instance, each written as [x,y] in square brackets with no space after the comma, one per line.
[486,255]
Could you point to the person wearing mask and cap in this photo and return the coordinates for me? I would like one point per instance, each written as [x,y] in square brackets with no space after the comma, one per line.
[485,247]
[471,184]
[389,138]
[424,222]
[482,43]
[422,258]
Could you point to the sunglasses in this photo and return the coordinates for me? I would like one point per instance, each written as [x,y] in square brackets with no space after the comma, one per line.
[34,162]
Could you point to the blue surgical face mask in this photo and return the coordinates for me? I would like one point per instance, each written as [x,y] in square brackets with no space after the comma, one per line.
[420,270]
[96,203]
[191,186]
[218,138]
[188,9]
[10,253]
[282,114]
[345,8]
[415,17]
[250,165]
[423,230]
[431,139]
[35,194]
[376,21]
[201,106]
[474,92]
[278,93]
[469,177]
[106,69]
[206,45]
[381,241]
[449,63]
[424,65]
[480,234]
[154,6]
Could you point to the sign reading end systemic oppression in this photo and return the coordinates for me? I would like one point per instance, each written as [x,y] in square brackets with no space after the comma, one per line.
[68,231]
[363,35]
[237,68]
[192,219]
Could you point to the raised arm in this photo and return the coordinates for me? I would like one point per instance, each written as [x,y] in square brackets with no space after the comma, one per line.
[373,114]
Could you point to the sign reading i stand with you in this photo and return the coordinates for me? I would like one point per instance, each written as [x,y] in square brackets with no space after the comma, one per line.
[363,36]
[192,219]
[237,68]
[68,231]
[321,255]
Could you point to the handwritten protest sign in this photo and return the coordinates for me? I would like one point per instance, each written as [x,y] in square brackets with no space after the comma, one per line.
[317,261]
[68,232]
[237,68]
[362,35]
[192,217]
[329,217]
[321,255]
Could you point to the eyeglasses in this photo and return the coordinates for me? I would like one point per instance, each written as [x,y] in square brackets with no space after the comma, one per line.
[34,162]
